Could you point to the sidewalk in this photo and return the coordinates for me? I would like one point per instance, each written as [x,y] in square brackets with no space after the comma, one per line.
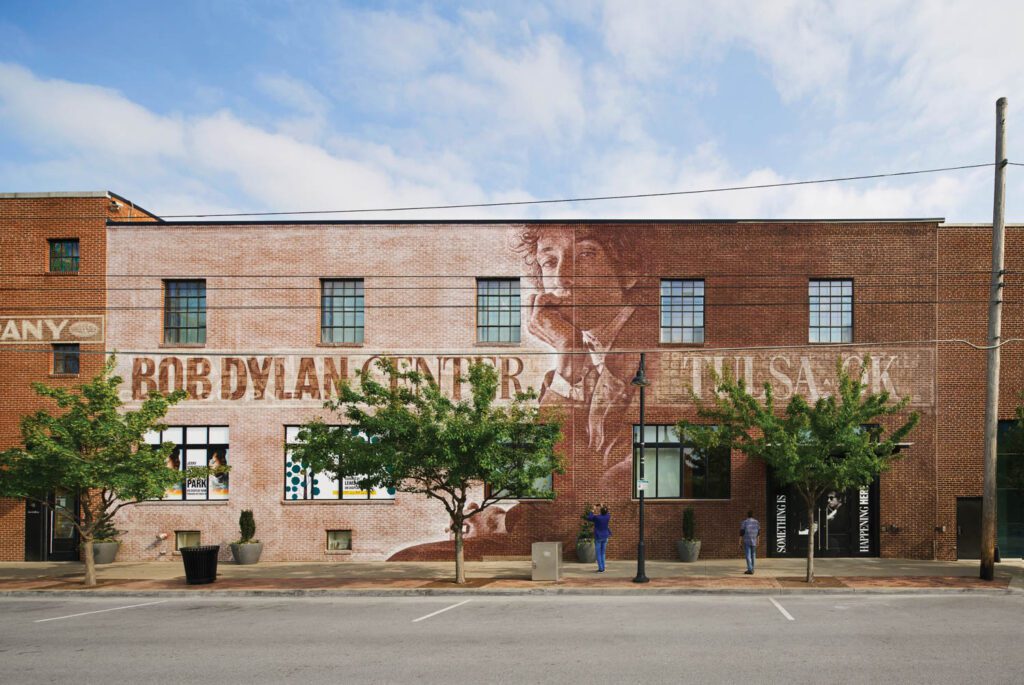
[774,576]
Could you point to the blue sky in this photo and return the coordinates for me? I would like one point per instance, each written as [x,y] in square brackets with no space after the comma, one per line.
[220,106]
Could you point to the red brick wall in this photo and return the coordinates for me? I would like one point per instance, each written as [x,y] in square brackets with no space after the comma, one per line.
[28,289]
[756,283]
[965,261]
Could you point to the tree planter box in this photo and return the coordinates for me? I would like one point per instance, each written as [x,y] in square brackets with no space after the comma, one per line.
[586,551]
[200,564]
[104,552]
[248,553]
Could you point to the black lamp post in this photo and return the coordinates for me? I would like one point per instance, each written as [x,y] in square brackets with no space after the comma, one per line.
[640,380]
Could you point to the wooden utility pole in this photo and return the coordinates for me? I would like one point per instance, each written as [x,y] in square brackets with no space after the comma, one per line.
[995,313]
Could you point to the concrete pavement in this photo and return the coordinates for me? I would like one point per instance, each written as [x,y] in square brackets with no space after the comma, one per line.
[513,577]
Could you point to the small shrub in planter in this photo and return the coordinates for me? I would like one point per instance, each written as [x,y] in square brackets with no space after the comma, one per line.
[689,546]
[586,552]
[105,543]
[246,550]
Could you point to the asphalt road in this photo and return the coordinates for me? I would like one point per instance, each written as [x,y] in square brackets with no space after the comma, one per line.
[660,639]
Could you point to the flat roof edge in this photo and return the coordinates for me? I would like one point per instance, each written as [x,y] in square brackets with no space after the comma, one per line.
[439,222]
[59,193]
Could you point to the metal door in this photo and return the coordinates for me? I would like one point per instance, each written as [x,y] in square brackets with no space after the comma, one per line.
[968,528]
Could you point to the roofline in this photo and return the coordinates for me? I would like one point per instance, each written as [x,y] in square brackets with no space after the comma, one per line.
[977,225]
[497,222]
[134,206]
[79,194]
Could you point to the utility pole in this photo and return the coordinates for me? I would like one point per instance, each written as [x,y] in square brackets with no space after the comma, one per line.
[995,313]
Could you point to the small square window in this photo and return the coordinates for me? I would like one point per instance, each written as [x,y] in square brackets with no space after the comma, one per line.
[339,540]
[64,255]
[65,359]
[186,538]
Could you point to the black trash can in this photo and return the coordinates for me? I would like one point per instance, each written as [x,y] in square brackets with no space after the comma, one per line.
[200,563]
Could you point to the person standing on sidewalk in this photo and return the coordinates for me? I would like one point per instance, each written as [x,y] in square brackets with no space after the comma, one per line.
[601,532]
[750,531]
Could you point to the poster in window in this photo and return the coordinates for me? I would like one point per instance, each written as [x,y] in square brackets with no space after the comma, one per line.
[351,488]
[195,488]
[174,462]
[218,482]
[324,487]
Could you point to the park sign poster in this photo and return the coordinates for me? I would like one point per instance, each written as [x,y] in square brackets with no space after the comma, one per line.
[289,378]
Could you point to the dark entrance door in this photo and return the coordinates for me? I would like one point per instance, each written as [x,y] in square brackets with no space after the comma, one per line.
[50,533]
[968,528]
[846,524]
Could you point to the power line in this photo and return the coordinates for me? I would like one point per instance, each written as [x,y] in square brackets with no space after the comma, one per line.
[473,305]
[596,198]
[694,275]
[511,351]
[519,203]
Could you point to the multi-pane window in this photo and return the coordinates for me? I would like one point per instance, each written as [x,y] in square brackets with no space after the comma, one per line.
[542,485]
[676,470]
[195,446]
[831,303]
[65,358]
[64,255]
[682,311]
[301,483]
[341,311]
[185,312]
[497,310]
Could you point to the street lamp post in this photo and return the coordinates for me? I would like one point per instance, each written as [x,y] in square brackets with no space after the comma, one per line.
[640,380]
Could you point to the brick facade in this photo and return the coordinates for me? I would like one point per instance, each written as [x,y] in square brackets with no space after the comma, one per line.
[27,222]
[263,366]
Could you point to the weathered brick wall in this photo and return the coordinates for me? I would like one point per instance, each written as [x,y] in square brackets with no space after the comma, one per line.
[263,298]
[28,289]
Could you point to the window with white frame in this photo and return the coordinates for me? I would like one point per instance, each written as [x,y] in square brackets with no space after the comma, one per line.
[301,483]
[205,446]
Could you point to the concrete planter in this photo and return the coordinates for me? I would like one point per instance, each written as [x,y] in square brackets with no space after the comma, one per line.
[248,553]
[586,552]
[104,552]
[688,550]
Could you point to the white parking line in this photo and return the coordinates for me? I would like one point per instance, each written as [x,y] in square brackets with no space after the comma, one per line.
[100,611]
[439,611]
[781,608]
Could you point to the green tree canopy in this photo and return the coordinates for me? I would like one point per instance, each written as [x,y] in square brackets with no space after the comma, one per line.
[423,442]
[839,442]
[92,448]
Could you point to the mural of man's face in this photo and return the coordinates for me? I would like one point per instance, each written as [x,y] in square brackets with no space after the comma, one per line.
[560,260]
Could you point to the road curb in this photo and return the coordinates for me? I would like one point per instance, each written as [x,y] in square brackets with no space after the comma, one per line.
[525,592]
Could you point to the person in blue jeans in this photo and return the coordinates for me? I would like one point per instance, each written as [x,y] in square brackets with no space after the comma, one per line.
[750,530]
[601,532]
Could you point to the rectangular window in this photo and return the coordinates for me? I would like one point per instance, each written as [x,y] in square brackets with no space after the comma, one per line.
[675,470]
[339,540]
[185,312]
[300,483]
[831,311]
[682,311]
[64,255]
[65,359]
[196,446]
[341,311]
[497,310]
[186,538]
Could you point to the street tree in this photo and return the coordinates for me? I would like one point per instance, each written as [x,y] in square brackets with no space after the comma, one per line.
[406,434]
[87,445]
[838,443]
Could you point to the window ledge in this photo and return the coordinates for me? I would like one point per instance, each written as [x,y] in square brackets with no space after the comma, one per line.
[683,345]
[62,273]
[188,346]
[357,502]
[349,345]
[338,552]
[479,343]
[63,375]
[185,502]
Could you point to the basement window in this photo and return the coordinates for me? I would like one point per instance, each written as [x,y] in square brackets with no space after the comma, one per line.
[339,541]
[186,538]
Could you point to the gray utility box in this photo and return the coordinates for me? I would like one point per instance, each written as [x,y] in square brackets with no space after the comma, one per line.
[547,561]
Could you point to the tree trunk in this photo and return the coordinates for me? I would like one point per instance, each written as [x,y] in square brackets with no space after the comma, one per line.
[460,570]
[90,562]
[810,543]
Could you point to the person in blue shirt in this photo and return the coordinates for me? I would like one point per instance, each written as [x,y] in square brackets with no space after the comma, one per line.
[601,532]
[750,530]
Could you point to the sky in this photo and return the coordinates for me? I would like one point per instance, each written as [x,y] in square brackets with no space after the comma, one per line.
[251,106]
